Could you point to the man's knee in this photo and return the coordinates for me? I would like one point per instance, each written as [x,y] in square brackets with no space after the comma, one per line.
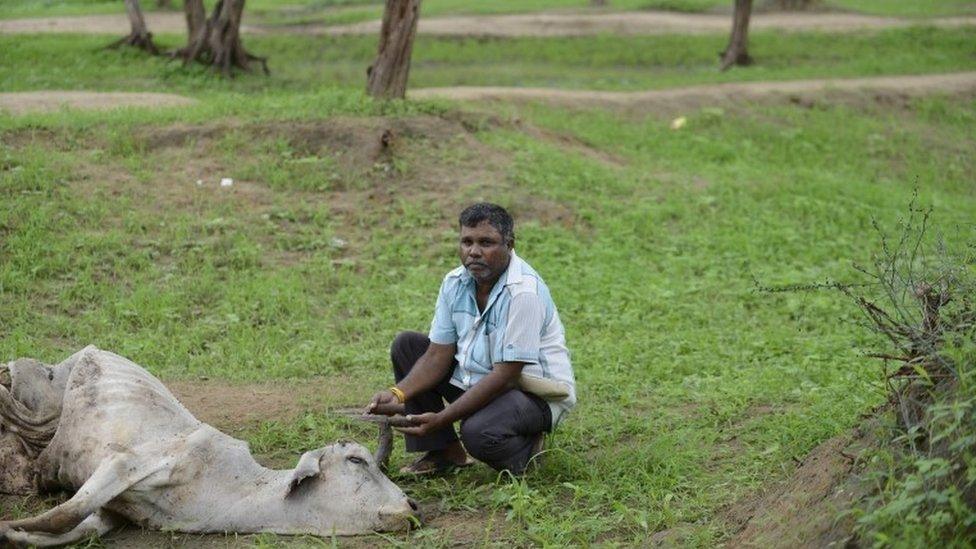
[482,441]
[404,342]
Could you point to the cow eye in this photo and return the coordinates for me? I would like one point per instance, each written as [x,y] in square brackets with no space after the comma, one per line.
[357,460]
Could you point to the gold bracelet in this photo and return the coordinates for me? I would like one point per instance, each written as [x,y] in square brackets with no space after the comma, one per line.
[398,394]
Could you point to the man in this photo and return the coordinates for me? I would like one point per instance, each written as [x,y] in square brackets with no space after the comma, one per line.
[496,350]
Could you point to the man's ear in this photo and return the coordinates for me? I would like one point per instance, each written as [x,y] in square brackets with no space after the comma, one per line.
[308,467]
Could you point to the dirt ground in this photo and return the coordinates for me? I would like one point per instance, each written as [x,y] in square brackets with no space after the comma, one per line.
[803,510]
[637,23]
[794,90]
[538,24]
[797,91]
[53,100]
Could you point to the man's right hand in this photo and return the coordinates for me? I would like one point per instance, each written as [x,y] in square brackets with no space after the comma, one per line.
[385,403]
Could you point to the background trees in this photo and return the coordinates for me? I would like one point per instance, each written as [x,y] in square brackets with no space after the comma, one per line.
[387,76]
[736,52]
[217,40]
[139,36]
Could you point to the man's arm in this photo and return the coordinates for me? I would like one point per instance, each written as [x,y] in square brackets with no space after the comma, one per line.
[430,368]
[503,377]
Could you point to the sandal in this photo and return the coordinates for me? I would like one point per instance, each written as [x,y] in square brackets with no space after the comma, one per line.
[433,463]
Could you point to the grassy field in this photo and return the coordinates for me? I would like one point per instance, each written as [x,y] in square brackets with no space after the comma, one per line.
[697,389]
[608,63]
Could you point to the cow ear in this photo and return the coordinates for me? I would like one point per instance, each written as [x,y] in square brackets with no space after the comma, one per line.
[308,467]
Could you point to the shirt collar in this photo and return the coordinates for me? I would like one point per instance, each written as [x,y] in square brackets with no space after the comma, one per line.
[513,275]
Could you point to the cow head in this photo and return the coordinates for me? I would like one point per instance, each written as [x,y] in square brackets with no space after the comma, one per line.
[34,384]
[343,484]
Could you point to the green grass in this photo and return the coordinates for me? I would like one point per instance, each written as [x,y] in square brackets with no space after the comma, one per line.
[605,62]
[694,387]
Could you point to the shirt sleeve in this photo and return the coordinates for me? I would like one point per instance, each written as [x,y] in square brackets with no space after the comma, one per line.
[523,329]
[442,329]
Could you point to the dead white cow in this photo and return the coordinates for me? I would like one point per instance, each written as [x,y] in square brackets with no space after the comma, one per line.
[131,450]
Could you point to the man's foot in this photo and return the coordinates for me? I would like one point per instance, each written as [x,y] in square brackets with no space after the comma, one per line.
[435,462]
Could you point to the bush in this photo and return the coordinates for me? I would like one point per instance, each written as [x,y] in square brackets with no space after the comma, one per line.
[925,473]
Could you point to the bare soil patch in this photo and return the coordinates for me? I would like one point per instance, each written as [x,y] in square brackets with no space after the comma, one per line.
[638,23]
[236,406]
[806,510]
[157,23]
[535,24]
[54,100]
[360,168]
[438,160]
[795,91]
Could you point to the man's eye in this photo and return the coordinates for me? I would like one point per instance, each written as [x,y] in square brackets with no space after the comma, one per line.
[357,460]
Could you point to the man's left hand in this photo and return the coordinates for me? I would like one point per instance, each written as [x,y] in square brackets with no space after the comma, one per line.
[424,424]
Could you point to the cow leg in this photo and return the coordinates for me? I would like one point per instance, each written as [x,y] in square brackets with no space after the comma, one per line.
[112,477]
[98,523]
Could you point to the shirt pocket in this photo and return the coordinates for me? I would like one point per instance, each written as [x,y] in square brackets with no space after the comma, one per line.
[480,356]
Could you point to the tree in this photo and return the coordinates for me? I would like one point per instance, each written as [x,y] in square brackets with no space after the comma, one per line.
[387,76]
[217,41]
[196,19]
[139,36]
[736,53]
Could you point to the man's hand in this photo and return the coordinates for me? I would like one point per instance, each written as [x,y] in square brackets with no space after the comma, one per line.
[425,424]
[385,403]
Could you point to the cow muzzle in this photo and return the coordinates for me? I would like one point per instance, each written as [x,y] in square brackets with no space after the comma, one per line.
[399,517]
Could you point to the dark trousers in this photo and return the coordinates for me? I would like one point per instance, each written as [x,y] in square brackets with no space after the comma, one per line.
[500,434]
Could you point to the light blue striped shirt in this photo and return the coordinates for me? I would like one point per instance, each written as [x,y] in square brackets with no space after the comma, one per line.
[520,324]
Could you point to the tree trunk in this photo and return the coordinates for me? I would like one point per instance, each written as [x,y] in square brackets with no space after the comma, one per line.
[196,19]
[218,41]
[387,76]
[736,53]
[139,36]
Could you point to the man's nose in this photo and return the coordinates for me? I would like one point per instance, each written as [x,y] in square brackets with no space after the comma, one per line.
[475,251]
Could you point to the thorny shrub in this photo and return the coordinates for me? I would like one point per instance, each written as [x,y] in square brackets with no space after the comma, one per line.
[920,297]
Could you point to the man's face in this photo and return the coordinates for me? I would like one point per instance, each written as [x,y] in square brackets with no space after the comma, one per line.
[484,253]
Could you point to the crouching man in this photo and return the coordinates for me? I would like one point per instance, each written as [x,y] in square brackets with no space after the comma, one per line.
[496,353]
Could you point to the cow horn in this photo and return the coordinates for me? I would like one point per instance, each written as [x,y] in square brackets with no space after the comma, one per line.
[384,447]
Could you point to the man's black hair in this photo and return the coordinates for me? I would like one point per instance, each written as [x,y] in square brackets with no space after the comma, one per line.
[495,215]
